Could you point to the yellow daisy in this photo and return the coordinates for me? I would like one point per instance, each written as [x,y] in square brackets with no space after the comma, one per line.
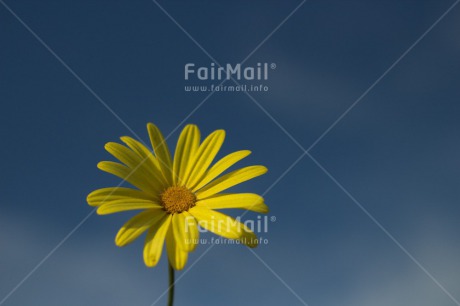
[176,195]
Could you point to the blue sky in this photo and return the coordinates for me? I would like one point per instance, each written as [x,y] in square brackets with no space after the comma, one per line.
[396,153]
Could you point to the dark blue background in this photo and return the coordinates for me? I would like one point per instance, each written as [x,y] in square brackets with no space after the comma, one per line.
[397,152]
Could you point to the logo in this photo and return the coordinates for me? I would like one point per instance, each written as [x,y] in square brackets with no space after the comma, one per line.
[249,73]
[212,77]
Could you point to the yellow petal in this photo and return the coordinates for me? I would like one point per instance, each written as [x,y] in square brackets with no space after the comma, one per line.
[135,162]
[137,225]
[135,177]
[155,240]
[187,145]
[103,195]
[222,165]
[123,154]
[224,225]
[248,201]
[192,228]
[185,231]
[145,154]
[141,150]
[177,257]
[230,179]
[205,155]
[127,204]
[160,147]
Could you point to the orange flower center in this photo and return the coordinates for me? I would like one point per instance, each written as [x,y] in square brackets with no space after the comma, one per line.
[177,199]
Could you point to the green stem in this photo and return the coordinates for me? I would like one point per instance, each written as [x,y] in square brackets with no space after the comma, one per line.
[171,286]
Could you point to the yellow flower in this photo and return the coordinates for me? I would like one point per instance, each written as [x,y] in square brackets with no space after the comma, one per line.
[176,195]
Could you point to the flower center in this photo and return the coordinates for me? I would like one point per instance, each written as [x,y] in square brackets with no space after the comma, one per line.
[177,199]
